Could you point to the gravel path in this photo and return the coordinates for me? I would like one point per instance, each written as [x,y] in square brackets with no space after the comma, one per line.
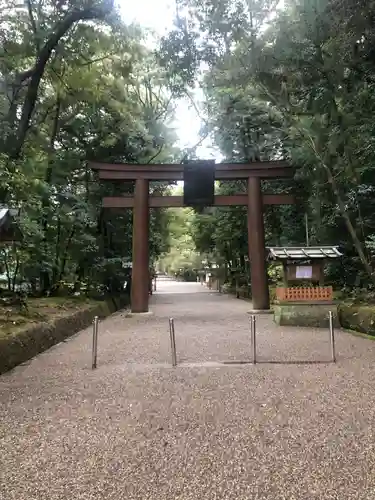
[136,428]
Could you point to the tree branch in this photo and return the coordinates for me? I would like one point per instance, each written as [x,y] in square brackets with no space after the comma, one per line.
[33,24]
[16,142]
[196,108]
[156,154]
[98,59]
[164,110]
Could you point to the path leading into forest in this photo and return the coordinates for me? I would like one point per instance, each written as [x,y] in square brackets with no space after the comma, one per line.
[136,428]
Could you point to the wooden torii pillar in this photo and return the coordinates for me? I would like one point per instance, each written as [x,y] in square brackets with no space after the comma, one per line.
[141,202]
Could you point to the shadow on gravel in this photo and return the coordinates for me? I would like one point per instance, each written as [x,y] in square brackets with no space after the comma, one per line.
[274,362]
[159,297]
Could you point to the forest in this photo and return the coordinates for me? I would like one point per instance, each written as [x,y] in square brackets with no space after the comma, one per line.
[294,81]
[78,84]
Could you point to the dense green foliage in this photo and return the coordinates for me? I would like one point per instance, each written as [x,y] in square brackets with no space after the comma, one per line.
[182,258]
[295,83]
[77,85]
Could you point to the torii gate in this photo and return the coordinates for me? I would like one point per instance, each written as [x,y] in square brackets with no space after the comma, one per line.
[142,201]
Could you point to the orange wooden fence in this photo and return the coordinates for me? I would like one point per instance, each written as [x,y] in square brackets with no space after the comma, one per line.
[296,294]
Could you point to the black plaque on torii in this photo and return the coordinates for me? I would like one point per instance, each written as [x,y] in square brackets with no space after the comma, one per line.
[199,183]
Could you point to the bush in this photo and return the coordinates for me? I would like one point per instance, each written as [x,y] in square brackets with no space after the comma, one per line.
[358,318]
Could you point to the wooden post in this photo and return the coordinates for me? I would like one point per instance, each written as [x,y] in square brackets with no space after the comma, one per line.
[140,273]
[257,251]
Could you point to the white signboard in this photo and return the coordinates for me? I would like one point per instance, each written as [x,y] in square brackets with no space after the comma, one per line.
[304,272]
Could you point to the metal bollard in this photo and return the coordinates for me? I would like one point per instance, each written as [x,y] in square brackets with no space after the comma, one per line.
[253,338]
[332,337]
[173,341]
[95,325]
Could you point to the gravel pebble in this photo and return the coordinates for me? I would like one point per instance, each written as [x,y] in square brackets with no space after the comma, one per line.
[136,428]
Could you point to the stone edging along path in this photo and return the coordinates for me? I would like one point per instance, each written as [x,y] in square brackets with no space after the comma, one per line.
[16,349]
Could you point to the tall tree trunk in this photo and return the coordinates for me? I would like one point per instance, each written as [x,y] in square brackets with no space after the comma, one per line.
[65,255]
[7,270]
[45,277]
[56,266]
[14,280]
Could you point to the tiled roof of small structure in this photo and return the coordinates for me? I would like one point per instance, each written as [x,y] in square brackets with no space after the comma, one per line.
[303,253]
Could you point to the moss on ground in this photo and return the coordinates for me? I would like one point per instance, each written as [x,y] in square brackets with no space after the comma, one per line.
[46,322]
[14,319]
[358,317]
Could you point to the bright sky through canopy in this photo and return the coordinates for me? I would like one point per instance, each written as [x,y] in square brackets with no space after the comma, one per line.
[155,14]
[158,15]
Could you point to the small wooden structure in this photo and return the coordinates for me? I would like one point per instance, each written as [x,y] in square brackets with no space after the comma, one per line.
[303,269]
[8,229]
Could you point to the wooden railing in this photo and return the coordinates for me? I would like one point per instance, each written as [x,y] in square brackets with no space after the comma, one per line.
[302,294]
